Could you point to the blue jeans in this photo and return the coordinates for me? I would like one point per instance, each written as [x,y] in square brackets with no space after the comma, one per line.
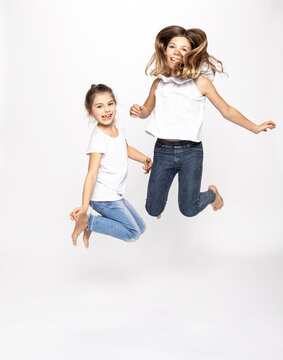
[118,219]
[185,158]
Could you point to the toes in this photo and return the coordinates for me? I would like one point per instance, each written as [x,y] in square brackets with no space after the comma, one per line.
[86,242]
[86,237]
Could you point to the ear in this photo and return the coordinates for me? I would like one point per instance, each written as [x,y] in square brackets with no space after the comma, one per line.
[90,113]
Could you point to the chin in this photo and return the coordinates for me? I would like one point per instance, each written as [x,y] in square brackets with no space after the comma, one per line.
[106,123]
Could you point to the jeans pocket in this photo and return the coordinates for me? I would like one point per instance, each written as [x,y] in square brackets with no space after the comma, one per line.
[197,146]
[158,146]
[97,205]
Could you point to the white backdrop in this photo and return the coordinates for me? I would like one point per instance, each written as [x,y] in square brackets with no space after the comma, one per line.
[51,53]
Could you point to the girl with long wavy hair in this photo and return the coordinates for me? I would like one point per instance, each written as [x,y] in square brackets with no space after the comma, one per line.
[184,73]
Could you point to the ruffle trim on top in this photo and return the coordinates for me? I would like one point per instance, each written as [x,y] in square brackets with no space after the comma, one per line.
[205,70]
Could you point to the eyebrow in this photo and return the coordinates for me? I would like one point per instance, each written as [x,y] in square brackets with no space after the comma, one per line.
[102,103]
[181,45]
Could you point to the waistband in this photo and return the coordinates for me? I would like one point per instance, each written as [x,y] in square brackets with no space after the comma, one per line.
[173,144]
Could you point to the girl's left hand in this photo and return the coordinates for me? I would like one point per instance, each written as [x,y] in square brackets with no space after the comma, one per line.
[147,165]
[266,125]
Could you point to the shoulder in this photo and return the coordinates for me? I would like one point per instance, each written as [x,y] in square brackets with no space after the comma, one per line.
[155,84]
[95,132]
[121,130]
[97,140]
[203,84]
[97,135]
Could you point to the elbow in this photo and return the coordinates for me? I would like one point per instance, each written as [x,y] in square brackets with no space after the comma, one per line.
[228,112]
[91,174]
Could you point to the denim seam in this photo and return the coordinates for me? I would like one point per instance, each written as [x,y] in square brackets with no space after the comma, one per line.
[92,222]
[214,194]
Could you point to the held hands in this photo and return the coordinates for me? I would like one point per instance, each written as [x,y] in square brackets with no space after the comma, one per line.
[264,126]
[137,111]
[147,165]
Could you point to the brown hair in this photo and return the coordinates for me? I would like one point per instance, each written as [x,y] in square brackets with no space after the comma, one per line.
[95,90]
[192,61]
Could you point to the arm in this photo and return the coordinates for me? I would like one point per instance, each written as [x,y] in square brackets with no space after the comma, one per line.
[90,180]
[136,155]
[144,111]
[207,89]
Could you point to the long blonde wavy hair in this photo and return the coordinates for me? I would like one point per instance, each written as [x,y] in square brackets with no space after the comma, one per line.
[192,61]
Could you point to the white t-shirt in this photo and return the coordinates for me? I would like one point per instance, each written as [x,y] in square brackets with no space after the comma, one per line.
[179,108]
[112,173]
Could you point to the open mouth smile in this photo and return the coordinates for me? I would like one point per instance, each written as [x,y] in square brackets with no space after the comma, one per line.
[107,117]
[174,59]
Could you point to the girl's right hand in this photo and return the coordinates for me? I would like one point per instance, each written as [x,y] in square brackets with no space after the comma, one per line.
[136,111]
[264,126]
[76,213]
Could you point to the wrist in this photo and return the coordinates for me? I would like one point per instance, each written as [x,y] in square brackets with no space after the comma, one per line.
[255,129]
[145,112]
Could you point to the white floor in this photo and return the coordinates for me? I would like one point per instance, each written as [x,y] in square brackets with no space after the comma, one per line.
[208,310]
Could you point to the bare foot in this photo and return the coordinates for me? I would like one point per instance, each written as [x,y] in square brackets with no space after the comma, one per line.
[218,202]
[158,217]
[86,237]
[81,224]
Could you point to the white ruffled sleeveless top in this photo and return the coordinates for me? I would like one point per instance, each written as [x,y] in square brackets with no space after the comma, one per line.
[179,108]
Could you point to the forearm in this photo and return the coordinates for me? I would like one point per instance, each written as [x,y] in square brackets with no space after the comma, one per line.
[236,117]
[145,112]
[136,155]
[88,189]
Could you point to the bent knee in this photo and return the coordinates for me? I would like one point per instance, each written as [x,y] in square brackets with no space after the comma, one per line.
[188,212]
[133,236]
[154,212]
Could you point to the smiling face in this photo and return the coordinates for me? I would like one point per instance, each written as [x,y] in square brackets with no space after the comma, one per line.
[177,47]
[104,109]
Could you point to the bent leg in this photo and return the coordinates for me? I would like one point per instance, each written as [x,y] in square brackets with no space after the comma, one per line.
[191,200]
[115,220]
[161,177]
[136,216]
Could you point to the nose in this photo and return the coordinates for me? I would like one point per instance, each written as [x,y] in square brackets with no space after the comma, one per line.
[177,52]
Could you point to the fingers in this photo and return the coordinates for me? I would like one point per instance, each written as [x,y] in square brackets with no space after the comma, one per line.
[271,127]
[76,213]
[267,125]
[135,110]
[147,165]
[271,123]
[72,216]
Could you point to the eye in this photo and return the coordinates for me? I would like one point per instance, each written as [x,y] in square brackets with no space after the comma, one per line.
[98,107]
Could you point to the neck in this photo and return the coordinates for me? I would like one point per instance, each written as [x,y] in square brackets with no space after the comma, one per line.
[110,129]
[173,73]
